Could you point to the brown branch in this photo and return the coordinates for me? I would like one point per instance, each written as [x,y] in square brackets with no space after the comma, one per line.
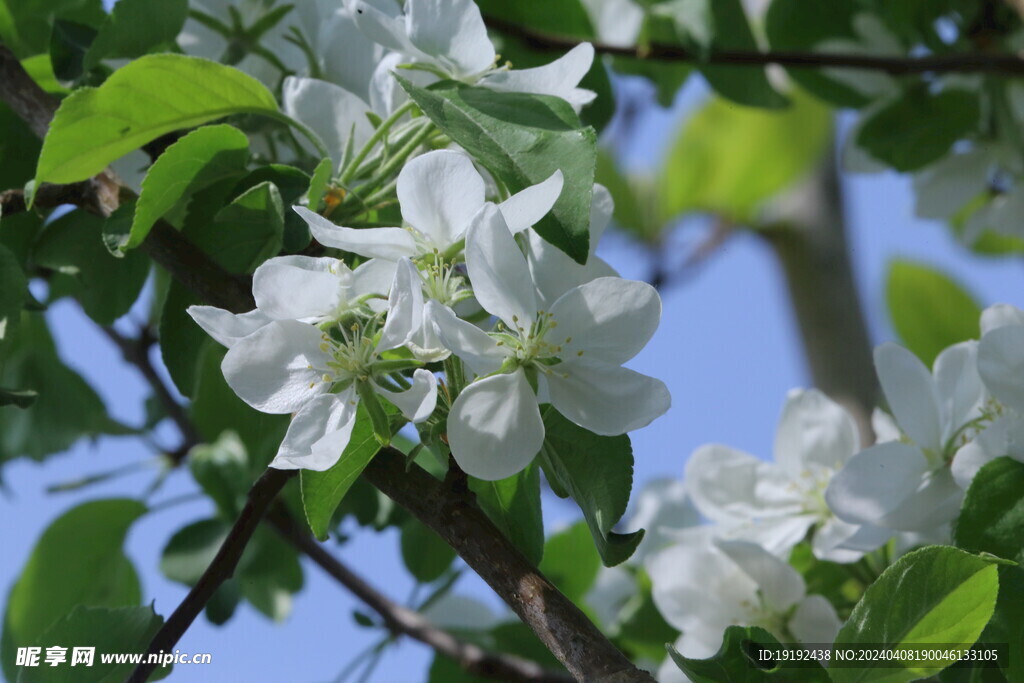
[1005,64]
[559,623]
[401,620]
[220,570]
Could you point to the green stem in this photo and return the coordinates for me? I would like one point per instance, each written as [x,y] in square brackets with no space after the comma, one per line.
[399,158]
[306,132]
[456,374]
[382,130]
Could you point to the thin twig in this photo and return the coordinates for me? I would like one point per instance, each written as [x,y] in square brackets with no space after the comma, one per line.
[998,63]
[401,620]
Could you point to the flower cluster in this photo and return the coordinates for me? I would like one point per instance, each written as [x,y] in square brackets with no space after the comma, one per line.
[324,337]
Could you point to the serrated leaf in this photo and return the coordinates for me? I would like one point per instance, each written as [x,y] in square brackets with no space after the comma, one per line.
[929,311]
[597,471]
[522,139]
[513,504]
[141,101]
[89,539]
[736,661]
[937,594]
[135,27]
[197,160]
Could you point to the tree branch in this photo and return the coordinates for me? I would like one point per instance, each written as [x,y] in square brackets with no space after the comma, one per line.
[1005,64]
[401,620]
[220,570]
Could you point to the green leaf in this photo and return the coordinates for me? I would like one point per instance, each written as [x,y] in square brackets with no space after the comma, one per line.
[292,183]
[597,471]
[522,139]
[933,595]
[571,562]
[19,148]
[13,290]
[641,630]
[318,183]
[135,27]
[87,538]
[708,25]
[141,101]
[513,504]
[323,491]
[1007,623]
[929,311]
[121,629]
[803,24]
[222,470]
[191,550]
[426,555]
[919,127]
[246,232]
[992,517]
[106,286]
[736,661]
[197,160]
[68,45]
[25,25]
[269,574]
[635,210]
[182,341]
[729,160]
[13,397]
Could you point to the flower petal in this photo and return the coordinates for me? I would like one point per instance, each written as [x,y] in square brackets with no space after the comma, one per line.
[348,57]
[1000,315]
[467,341]
[300,287]
[1001,364]
[935,502]
[494,428]
[278,368]
[911,393]
[498,270]
[418,401]
[333,113]
[722,481]
[828,540]
[385,243]
[608,319]
[815,621]
[225,327]
[405,307]
[554,273]
[558,78]
[959,385]
[440,193]
[382,21]
[780,585]
[606,399]
[875,482]
[373,277]
[318,434]
[525,209]
[814,430]
[453,32]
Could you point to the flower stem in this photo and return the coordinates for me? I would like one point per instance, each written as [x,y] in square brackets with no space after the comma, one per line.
[382,130]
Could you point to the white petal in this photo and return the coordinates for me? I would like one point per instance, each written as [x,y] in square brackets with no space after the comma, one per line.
[318,434]
[1000,315]
[606,399]
[494,428]
[875,482]
[278,368]
[958,384]
[348,57]
[554,273]
[440,193]
[617,22]
[300,287]
[970,458]
[935,502]
[828,540]
[867,538]
[227,327]
[781,586]
[453,32]
[558,78]
[910,390]
[498,271]
[814,429]
[722,481]
[611,591]
[383,22]
[602,206]
[333,113]
[944,187]
[777,535]
[815,621]
[609,319]
[662,506]
[525,209]
[1001,364]
[386,95]
[385,243]
[884,427]
[405,307]
[418,401]
[373,277]
[467,341]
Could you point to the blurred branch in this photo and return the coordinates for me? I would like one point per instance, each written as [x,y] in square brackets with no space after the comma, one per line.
[401,620]
[809,239]
[1005,64]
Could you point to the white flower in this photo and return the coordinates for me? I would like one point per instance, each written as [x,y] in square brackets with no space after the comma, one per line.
[703,585]
[317,372]
[909,486]
[777,504]
[616,22]
[449,38]
[439,192]
[572,352]
[336,116]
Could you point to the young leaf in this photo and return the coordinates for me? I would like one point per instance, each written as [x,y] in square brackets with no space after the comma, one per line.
[597,471]
[513,504]
[88,537]
[992,517]
[918,127]
[426,555]
[197,160]
[928,309]
[135,27]
[737,661]
[522,139]
[141,101]
[933,595]
[269,574]
[182,341]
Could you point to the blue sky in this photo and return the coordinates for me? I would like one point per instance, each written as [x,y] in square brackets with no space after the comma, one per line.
[727,348]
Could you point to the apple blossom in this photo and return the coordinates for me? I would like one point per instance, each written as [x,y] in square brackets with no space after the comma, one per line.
[495,427]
